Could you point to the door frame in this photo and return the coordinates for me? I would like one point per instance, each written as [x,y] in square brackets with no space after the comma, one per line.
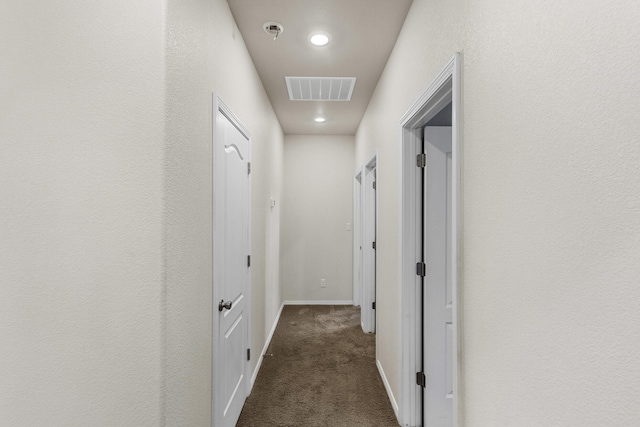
[369,233]
[220,109]
[357,238]
[445,88]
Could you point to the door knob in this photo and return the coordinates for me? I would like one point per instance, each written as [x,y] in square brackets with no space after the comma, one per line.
[223,305]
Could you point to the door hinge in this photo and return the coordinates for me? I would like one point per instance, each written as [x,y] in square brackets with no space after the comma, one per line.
[374,185]
[373,305]
[248,260]
[373,245]
[248,354]
[248,168]
[421,269]
[421,160]
[421,379]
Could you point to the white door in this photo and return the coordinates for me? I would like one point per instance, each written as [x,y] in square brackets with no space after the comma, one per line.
[374,230]
[438,297]
[231,279]
[368,312]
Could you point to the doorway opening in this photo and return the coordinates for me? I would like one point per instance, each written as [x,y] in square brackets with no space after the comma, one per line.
[357,239]
[364,243]
[430,258]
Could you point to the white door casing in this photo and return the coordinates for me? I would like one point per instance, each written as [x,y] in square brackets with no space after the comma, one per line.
[437,287]
[444,89]
[231,271]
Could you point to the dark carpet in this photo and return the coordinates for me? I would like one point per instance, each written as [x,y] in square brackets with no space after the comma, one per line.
[319,370]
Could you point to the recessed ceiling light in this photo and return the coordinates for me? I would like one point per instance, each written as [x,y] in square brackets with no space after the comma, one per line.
[319,39]
[319,119]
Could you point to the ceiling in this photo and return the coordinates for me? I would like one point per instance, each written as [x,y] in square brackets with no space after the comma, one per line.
[362,34]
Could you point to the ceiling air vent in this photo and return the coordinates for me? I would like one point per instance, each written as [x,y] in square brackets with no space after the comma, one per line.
[320,88]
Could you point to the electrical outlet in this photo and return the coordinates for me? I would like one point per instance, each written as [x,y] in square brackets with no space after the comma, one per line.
[323,283]
[348,226]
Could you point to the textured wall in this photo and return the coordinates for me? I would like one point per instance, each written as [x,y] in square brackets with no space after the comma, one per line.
[81,137]
[552,230]
[551,220]
[105,256]
[317,205]
[206,53]
[432,32]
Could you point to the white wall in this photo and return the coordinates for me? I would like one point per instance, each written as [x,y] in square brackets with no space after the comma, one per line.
[316,207]
[551,220]
[105,220]
[81,184]
[206,53]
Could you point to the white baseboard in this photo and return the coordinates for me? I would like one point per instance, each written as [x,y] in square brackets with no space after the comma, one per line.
[320,302]
[266,346]
[394,404]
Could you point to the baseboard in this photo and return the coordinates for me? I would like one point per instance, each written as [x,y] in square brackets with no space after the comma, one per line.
[266,346]
[320,302]
[392,399]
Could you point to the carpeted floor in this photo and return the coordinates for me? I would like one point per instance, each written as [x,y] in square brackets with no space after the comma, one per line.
[319,370]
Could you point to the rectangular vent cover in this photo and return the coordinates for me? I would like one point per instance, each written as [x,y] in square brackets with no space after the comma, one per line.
[320,88]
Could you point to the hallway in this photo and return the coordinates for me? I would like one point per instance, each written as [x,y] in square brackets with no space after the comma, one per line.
[319,370]
[107,222]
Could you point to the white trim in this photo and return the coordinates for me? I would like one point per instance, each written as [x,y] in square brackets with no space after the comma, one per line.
[456,244]
[387,386]
[320,302]
[266,346]
[444,88]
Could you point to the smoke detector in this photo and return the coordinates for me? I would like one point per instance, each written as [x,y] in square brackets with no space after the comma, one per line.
[273,29]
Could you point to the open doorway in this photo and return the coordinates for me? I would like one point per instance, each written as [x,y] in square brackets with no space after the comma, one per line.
[431,321]
[364,242]
[437,298]
[357,239]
